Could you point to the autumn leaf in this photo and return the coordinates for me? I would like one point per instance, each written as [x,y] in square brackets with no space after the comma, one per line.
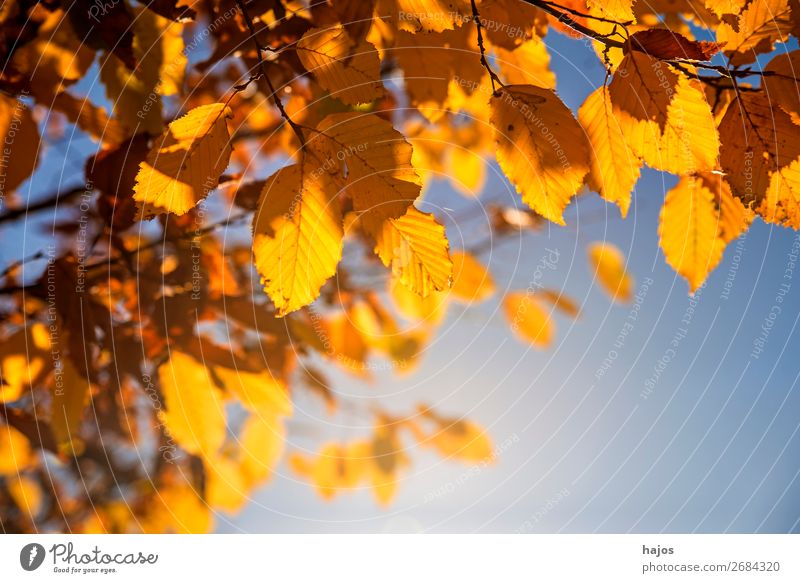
[620,10]
[780,83]
[664,116]
[666,44]
[540,147]
[135,94]
[700,216]
[472,281]
[194,412]
[527,64]
[614,167]
[349,70]
[757,28]
[70,395]
[431,15]
[759,155]
[528,319]
[297,236]
[185,162]
[608,263]
[20,137]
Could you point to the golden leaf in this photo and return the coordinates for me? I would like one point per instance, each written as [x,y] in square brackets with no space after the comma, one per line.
[350,71]
[760,156]
[415,248]
[260,392]
[614,167]
[780,81]
[540,147]
[620,10]
[528,319]
[70,394]
[608,263]
[664,116]
[262,440]
[431,15]
[195,414]
[297,235]
[431,61]
[759,25]
[527,64]
[428,310]
[185,162]
[20,138]
[472,281]
[696,225]
[136,95]
[380,178]
[15,451]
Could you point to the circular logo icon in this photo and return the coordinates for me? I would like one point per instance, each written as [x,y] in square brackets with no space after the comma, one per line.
[31,556]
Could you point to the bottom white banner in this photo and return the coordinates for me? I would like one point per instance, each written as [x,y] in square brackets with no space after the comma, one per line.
[402,558]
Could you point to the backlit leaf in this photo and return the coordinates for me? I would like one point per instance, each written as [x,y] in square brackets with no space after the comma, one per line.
[349,70]
[297,235]
[608,265]
[540,147]
[185,162]
[194,412]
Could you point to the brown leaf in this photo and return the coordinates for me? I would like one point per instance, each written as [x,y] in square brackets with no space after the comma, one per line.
[666,44]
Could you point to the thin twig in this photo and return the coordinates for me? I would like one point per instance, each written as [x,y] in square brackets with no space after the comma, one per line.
[492,75]
[262,74]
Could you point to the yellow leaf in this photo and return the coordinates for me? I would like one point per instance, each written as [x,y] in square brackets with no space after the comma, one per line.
[758,27]
[260,392]
[161,61]
[468,170]
[460,439]
[664,116]
[380,178]
[614,167]
[179,510]
[22,361]
[435,68]
[608,263]
[780,82]
[760,155]
[261,441]
[20,139]
[70,394]
[297,235]
[695,225]
[528,319]
[225,486]
[472,282]
[722,7]
[347,346]
[527,64]
[429,310]
[620,10]
[15,451]
[194,415]
[185,162]
[54,59]
[27,494]
[350,71]
[540,147]
[415,247]
[431,15]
